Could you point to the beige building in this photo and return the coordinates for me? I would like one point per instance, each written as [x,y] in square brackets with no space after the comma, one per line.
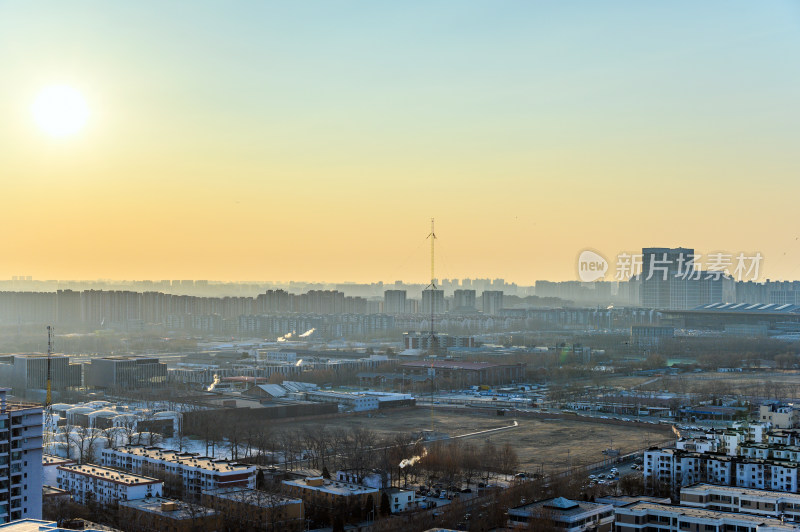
[155,514]
[780,415]
[322,493]
[251,509]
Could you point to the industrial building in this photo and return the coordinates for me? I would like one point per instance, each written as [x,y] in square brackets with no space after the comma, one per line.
[424,340]
[467,373]
[128,372]
[29,372]
[743,319]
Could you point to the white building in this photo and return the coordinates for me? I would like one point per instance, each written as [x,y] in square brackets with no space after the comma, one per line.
[356,402]
[647,516]
[744,500]
[89,482]
[199,473]
[50,465]
[682,468]
[401,500]
[21,464]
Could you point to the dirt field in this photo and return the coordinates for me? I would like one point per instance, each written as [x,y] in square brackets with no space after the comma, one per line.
[537,441]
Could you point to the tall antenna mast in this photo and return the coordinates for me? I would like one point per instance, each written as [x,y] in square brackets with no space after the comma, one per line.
[432,288]
[48,402]
[432,340]
[432,236]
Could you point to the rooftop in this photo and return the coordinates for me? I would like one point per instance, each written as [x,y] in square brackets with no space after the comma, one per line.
[331,486]
[563,507]
[733,490]
[253,497]
[50,459]
[185,458]
[169,507]
[702,513]
[111,475]
[38,525]
[747,308]
[452,364]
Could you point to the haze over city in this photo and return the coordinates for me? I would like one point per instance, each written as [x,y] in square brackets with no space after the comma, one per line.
[413,266]
[314,141]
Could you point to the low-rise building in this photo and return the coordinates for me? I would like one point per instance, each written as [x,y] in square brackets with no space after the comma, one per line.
[782,416]
[103,485]
[257,510]
[647,516]
[743,500]
[401,500]
[50,464]
[353,401]
[198,473]
[156,514]
[321,493]
[375,478]
[562,514]
[39,525]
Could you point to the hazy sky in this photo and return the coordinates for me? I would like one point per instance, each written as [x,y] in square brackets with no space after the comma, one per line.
[315,140]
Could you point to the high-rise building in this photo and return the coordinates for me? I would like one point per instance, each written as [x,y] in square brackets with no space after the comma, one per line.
[394,301]
[492,301]
[432,299]
[464,301]
[671,279]
[21,473]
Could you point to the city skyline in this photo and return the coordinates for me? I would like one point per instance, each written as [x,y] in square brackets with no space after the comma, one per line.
[270,141]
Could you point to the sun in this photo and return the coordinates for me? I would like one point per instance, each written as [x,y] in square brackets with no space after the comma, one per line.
[60,110]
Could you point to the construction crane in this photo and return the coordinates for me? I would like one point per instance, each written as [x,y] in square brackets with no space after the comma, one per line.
[48,401]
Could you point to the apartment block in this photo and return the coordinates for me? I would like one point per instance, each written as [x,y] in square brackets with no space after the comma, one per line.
[103,485]
[198,473]
[768,503]
[648,516]
[20,459]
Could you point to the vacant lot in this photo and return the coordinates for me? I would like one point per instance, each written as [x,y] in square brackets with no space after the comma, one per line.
[554,443]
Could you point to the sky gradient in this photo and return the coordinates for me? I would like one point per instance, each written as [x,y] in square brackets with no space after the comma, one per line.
[315,140]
